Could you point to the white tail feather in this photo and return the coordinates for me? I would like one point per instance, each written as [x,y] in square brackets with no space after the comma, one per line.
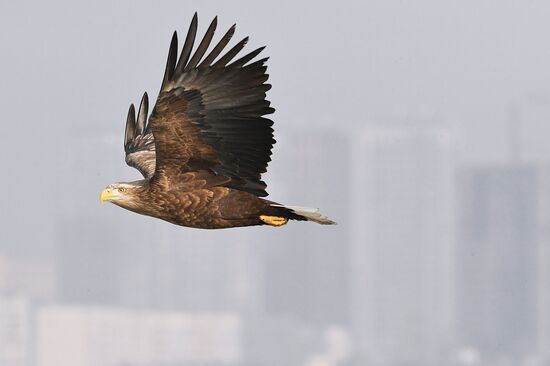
[311,214]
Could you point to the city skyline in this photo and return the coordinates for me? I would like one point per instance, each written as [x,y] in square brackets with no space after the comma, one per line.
[251,287]
[419,127]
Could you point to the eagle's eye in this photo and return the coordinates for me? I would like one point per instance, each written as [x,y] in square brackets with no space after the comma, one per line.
[121,189]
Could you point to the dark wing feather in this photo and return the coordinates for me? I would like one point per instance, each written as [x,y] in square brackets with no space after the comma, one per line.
[218,48]
[171,61]
[188,45]
[139,143]
[210,116]
[205,43]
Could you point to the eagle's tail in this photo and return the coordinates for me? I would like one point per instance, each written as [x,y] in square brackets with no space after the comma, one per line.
[303,214]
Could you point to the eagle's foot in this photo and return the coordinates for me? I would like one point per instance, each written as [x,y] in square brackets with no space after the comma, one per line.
[273,220]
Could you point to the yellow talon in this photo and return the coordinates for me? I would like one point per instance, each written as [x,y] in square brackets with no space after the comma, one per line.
[274,220]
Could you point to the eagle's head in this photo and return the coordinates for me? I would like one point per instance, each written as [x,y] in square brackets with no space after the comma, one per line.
[123,194]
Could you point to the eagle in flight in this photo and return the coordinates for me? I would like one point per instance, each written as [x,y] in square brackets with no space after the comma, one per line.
[206,143]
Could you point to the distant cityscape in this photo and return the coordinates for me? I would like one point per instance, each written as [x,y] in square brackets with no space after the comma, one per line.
[435,261]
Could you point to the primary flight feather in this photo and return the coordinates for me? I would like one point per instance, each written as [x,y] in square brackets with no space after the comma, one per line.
[206,143]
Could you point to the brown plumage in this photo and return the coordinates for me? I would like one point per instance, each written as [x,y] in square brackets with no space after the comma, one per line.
[206,143]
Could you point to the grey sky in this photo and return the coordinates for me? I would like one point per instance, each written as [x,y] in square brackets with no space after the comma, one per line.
[69,71]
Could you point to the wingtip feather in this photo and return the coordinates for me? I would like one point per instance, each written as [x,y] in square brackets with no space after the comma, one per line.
[171,60]
[142,114]
[130,130]
[188,45]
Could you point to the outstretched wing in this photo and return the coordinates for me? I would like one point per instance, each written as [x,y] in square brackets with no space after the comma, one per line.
[209,114]
[139,143]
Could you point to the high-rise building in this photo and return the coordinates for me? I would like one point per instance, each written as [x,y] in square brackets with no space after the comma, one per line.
[157,265]
[402,224]
[31,277]
[307,266]
[496,261]
[16,331]
[543,264]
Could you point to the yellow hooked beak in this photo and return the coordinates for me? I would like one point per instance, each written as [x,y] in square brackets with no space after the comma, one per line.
[106,195]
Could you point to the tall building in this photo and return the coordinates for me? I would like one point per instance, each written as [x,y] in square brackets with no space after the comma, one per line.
[31,277]
[307,265]
[16,331]
[496,261]
[156,265]
[402,224]
[543,264]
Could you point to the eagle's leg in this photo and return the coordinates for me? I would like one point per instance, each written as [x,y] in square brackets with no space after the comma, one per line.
[273,220]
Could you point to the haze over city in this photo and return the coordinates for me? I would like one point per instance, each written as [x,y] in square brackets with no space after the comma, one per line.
[420,127]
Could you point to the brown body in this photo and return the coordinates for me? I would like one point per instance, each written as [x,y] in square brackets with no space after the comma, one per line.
[206,208]
[195,202]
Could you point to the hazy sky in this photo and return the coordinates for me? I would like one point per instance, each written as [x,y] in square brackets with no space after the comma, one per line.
[70,69]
